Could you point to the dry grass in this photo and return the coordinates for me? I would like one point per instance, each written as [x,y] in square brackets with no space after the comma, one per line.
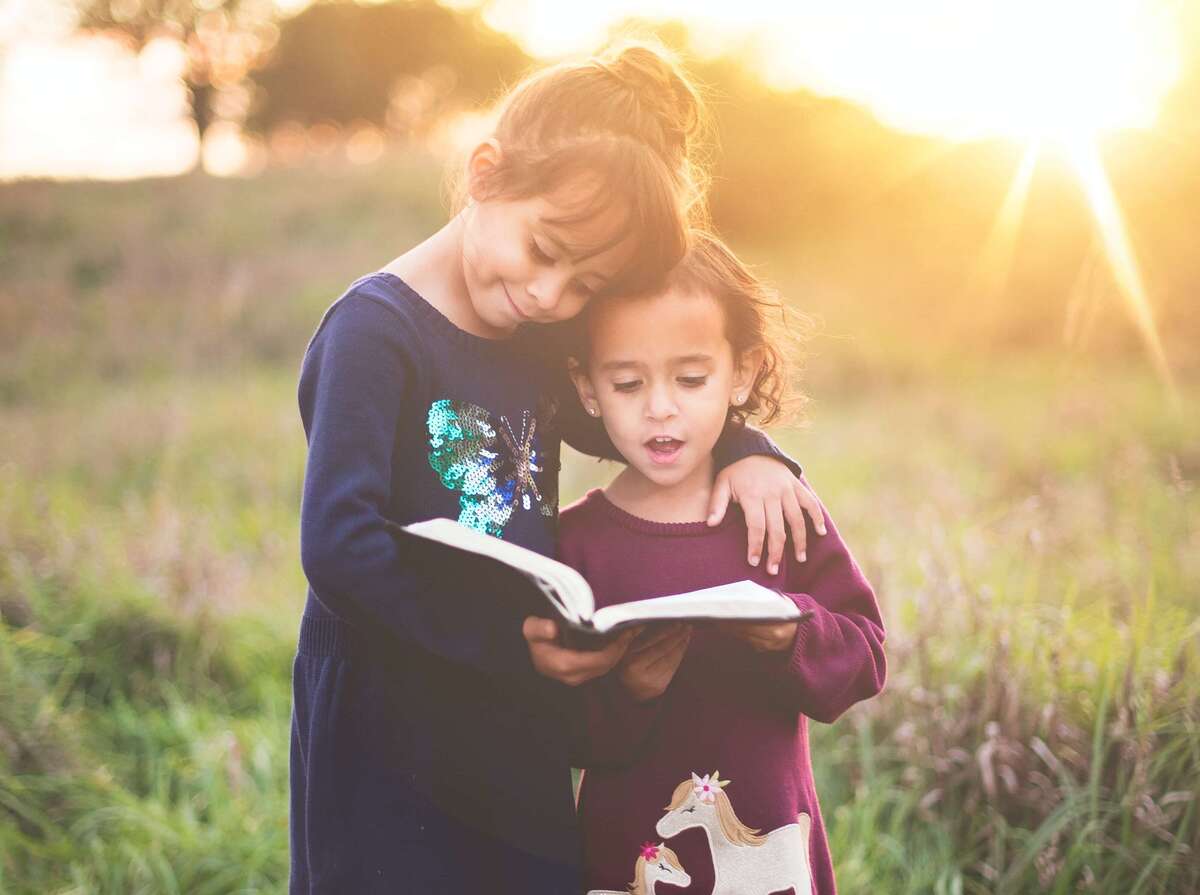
[1029,520]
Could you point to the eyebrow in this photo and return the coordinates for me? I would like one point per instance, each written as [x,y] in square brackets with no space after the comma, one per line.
[619,365]
[627,364]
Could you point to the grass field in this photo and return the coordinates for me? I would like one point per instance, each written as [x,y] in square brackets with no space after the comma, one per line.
[1029,519]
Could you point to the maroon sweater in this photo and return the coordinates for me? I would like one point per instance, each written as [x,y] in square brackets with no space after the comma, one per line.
[728,709]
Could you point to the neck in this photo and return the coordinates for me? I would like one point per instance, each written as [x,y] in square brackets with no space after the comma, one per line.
[683,501]
[434,270]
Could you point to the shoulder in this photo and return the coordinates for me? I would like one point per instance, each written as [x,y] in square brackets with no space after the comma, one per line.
[376,308]
[580,515]
[578,522]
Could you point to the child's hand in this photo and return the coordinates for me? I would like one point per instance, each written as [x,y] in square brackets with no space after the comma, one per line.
[765,637]
[768,494]
[651,663]
[571,667]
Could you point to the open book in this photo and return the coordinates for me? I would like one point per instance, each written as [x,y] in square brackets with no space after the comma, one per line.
[571,598]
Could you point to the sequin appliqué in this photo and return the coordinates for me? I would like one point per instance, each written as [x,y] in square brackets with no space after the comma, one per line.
[492,466]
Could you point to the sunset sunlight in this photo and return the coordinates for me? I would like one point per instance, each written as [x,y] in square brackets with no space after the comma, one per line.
[436,434]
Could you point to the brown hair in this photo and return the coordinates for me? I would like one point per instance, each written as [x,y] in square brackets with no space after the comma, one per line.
[756,318]
[628,122]
[731,826]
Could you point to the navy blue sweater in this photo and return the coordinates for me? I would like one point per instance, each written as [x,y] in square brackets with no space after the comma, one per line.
[427,754]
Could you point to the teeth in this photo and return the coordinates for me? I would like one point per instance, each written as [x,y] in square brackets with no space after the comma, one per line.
[662,439]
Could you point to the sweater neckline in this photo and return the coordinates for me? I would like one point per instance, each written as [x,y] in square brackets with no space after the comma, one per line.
[600,500]
[438,321]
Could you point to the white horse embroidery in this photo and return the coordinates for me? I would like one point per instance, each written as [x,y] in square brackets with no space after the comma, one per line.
[744,862]
[657,864]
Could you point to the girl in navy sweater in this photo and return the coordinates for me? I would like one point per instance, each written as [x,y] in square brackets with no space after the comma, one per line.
[699,774]
[429,746]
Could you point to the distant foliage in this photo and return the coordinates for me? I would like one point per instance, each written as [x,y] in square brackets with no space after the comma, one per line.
[395,64]
[223,40]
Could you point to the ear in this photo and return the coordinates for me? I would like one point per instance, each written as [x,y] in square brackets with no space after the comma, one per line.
[483,159]
[745,371]
[583,386]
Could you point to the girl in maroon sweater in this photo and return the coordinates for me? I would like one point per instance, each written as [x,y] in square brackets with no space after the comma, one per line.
[698,774]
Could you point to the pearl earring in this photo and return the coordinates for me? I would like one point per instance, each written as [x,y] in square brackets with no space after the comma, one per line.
[593,411]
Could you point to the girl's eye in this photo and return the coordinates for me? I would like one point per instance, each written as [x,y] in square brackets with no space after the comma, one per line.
[693,381]
[626,386]
[538,254]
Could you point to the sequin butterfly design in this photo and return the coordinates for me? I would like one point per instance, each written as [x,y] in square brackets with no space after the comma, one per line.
[492,466]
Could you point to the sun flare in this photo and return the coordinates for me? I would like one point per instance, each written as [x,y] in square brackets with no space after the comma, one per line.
[1023,69]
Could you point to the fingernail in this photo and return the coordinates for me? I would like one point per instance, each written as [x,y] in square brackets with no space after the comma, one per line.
[803,556]
[712,519]
[774,569]
[753,560]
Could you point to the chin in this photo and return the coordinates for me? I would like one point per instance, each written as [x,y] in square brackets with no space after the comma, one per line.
[665,478]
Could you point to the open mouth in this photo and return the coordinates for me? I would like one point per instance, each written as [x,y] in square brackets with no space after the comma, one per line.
[663,448]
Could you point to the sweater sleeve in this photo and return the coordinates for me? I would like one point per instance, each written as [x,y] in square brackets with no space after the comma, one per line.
[356,378]
[837,658]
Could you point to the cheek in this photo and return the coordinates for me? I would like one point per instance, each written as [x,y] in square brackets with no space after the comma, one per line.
[570,306]
[711,403]
[493,248]
[621,417]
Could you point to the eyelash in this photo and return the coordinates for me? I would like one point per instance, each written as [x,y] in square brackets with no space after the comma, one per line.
[542,258]
[685,381]
[538,254]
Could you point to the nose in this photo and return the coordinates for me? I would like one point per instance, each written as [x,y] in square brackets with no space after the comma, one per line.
[547,290]
[660,402]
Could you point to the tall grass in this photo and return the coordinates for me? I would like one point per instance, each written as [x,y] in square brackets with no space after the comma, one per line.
[1029,521]
[1041,728]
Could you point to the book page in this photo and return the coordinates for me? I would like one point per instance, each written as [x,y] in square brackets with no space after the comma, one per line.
[738,601]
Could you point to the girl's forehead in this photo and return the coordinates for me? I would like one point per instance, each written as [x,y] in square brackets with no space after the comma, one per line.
[666,325]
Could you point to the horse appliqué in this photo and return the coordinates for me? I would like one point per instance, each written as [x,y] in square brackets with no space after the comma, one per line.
[656,864]
[745,862]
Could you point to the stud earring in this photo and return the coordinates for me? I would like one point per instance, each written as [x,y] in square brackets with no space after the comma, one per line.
[593,411]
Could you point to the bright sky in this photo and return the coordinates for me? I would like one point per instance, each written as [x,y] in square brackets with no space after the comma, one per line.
[956,68]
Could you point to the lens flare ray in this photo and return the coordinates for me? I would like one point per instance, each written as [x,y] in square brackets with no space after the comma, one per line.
[995,262]
[1119,251]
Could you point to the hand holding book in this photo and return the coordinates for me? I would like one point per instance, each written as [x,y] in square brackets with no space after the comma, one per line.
[561,588]
[570,666]
[652,659]
[765,637]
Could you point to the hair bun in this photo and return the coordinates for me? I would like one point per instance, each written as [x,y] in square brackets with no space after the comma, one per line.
[657,81]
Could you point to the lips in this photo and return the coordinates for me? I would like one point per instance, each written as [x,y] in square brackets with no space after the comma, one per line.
[663,449]
[521,315]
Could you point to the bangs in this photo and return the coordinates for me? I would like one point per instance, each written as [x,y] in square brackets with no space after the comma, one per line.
[616,191]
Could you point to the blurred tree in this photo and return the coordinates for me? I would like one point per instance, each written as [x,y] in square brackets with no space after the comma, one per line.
[223,39]
[400,64]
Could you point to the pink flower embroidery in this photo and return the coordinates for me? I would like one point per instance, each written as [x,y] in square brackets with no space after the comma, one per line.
[649,851]
[705,787]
